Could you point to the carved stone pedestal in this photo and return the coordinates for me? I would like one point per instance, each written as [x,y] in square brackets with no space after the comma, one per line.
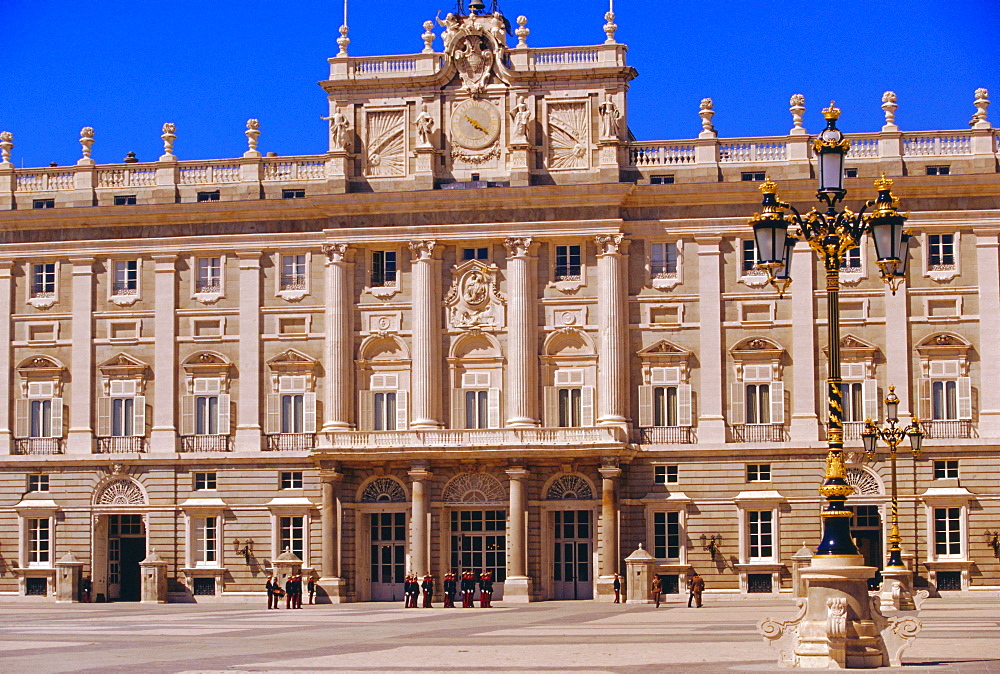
[331,591]
[638,576]
[154,579]
[517,590]
[520,173]
[339,165]
[838,625]
[897,590]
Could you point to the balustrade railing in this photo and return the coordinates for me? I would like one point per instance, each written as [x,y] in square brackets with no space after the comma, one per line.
[38,446]
[42,180]
[661,154]
[290,442]
[863,146]
[563,56]
[666,435]
[123,444]
[476,438]
[127,177]
[299,169]
[936,145]
[750,152]
[759,433]
[210,174]
[206,443]
[948,430]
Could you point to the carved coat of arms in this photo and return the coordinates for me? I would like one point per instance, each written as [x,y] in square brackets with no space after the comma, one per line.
[477,47]
[473,300]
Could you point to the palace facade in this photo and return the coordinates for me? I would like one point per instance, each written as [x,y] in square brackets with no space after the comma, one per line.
[485,329]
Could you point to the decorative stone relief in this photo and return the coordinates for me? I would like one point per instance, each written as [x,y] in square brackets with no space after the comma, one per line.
[520,116]
[570,487]
[383,490]
[473,300]
[121,492]
[518,246]
[898,632]
[610,118]
[385,143]
[425,128]
[569,142]
[611,244]
[474,488]
[335,252]
[383,324]
[476,46]
[339,126]
[562,317]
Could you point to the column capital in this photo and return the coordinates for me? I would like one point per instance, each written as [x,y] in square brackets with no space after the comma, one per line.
[165,261]
[519,246]
[611,244]
[249,259]
[517,472]
[336,252]
[331,476]
[419,474]
[423,250]
[82,265]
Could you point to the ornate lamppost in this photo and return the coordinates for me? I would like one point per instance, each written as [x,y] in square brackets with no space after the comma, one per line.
[838,625]
[895,574]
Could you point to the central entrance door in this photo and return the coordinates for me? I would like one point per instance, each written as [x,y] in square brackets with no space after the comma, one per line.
[388,555]
[126,548]
[479,543]
[866,527]
[571,558]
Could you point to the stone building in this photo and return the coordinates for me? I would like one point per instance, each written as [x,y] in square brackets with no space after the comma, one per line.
[485,329]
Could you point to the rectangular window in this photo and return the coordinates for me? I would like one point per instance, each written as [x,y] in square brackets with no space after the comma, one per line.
[940,250]
[383,268]
[944,400]
[39,540]
[122,417]
[852,260]
[385,411]
[853,401]
[208,196]
[291,535]
[758,404]
[476,409]
[665,474]
[209,275]
[43,203]
[663,260]
[126,277]
[43,280]
[665,406]
[38,483]
[948,532]
[866,517]
[667,535]
[475,253]
[125,200]
[293,272]
[204,481]
[753,176]
[760,527]
[567,263]
[293,194]
[207,415]
[570,407]
[850,173]
[758,472]
[206,540]
[292,413]
[749,255]
[667,179]
[946,469]
[291,479]
[40,419]
[938,170]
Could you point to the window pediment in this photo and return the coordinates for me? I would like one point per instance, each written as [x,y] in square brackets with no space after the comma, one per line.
[41,369]
[758,351]
[944,346]
[207,365]
[292,363]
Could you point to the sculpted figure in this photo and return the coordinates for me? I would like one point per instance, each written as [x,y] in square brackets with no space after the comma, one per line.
[610,118]
[339,125]
[521,117]
[425,126]
[450,25]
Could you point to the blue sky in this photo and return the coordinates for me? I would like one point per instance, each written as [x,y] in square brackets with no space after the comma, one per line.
[126,66]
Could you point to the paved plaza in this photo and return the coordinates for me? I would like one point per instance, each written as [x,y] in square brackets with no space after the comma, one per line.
[959,635]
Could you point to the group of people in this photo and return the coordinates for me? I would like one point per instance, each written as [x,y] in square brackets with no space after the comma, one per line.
[695,588]
[292,591]
[413,588]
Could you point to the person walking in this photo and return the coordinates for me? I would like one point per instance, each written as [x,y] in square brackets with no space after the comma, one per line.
[656,589]
[696,585]
[618,589]
[449,589]
[428,588]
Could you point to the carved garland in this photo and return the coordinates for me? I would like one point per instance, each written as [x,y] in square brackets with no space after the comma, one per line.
[469,158]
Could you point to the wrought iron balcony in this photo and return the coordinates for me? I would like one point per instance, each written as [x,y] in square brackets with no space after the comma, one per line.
[759,433]
[206,443]
[948,430]
[121,444]
[38,446]
[666,435]
[290,442]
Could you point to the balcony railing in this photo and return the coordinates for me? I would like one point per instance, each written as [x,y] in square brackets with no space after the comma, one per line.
[293,281]
[206,443]
[948,430]
[499,437]
[666,435]
[291,442]
[759,433]
[38,446]
[121,444]
[208,287]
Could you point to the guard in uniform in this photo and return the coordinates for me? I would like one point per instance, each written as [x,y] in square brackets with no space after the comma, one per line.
[449,589]
[410,591]
[485,589]
[618,589]
[696,586]
[428,587]
[468,588]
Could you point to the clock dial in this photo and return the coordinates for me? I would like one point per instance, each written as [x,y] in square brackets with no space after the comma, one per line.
[475,125]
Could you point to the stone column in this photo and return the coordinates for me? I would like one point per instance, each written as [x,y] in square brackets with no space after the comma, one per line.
[711,422]
[517,587]
[81,433]
[522,335]
[248,430]
[420,553]
[612,309]
[988,272]
[339,338]
[331,580]
[805,422]
[6,364]
[608,543]
[164,433]
[425,386]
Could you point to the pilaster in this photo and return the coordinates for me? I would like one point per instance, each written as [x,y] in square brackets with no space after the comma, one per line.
[81,433]
[805,422]
[6,364]
[522,335]
[711,422]
[7,183]
[425,386]
[248,430]
[612,309]
[988,272]
[163,438]
[897,347]
[339,338]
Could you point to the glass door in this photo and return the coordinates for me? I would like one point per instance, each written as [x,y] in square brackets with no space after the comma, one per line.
[571,555]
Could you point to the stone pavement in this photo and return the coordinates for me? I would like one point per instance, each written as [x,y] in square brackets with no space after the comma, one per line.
[959,635]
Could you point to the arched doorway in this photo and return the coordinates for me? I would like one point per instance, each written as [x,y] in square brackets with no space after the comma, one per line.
[572,529]
[385,516]
[119,540]
[478,526]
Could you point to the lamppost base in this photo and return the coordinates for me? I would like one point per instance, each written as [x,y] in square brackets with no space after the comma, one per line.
[838,624]
[897,590]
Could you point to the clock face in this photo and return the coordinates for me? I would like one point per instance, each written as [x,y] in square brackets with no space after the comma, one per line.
[475,124]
